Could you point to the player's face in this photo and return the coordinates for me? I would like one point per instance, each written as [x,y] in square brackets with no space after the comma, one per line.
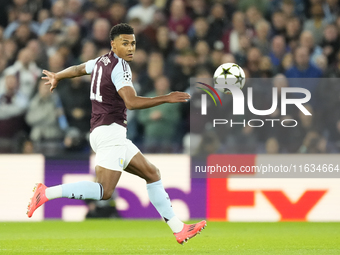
[124,46]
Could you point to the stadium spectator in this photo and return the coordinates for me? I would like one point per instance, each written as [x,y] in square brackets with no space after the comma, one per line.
[253,62]
[253,16]
[143,11]
[154,71]
[43,15]
[218,21]
[307,40]
[181,45]
[73,10]
[293,30]
[244,47]
[231,38]
[202,51]
[73,40]
[163,43]
[272,146]
[317,23]
[227,58]
[200,32]
[331,10]
[38,52]
[50,42]
[24,17]
[303,68]
[58,22]
[117,13]
[198,8]
[278,50]
[143,41]
[261,5]
[159,122]
[100,30]
[74,96]
[322,63]
[210,144]
[216,56]
[56,62]
[13,104]
[14,9]
[313,143]
[266,68]
[261,40]
[334,70]
[183,70]
[88,51]
[289,7]
[5,4]
[102,7]
[158,20]
[278,19]
[330,43]
[47,121]
[286,63]
[10,49]
[26,71]
[179,22]
[22,35]
[90,14]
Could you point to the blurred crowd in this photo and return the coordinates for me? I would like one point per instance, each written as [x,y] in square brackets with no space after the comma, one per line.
[176,40]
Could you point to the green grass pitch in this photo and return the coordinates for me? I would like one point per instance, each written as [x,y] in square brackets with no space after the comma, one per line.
[154,237]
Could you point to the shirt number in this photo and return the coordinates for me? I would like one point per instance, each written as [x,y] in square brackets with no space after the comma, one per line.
[96,95]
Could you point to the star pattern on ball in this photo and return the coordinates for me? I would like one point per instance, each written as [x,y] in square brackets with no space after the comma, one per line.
[225,72]
[239,79]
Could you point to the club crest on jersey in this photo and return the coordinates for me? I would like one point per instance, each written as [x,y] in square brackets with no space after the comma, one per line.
[127,76]
[105,60]
[121,162]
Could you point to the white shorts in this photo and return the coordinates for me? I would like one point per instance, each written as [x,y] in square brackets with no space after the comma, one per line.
[113,150]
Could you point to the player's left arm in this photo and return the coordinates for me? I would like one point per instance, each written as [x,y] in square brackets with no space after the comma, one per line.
[121,78]
[132,101]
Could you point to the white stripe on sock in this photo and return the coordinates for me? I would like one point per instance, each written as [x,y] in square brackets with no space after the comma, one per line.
[175,224]
[54,192]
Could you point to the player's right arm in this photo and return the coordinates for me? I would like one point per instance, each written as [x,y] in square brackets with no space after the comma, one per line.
[70,72]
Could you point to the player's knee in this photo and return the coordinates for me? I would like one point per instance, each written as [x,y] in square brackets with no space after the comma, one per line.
[153,176]
[158,173]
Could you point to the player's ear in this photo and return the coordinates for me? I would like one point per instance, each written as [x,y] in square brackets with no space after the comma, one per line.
[113,44]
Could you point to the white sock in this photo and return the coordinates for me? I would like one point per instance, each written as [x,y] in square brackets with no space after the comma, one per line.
[175,224]
[161,201]
[54,192]
[78,190]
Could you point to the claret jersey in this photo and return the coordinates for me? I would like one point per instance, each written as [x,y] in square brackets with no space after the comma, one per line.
[109,74]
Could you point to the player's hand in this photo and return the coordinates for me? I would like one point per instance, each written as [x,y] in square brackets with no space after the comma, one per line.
[51,79]
[178,97]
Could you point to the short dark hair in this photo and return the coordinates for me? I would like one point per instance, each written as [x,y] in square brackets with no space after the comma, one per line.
[120,29]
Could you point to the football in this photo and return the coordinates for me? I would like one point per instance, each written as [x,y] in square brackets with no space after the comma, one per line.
[230,74]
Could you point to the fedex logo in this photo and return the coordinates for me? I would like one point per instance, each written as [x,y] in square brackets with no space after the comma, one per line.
[235,199]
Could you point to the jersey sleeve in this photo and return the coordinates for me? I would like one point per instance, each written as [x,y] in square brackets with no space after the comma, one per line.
[89,65]
[121,75]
